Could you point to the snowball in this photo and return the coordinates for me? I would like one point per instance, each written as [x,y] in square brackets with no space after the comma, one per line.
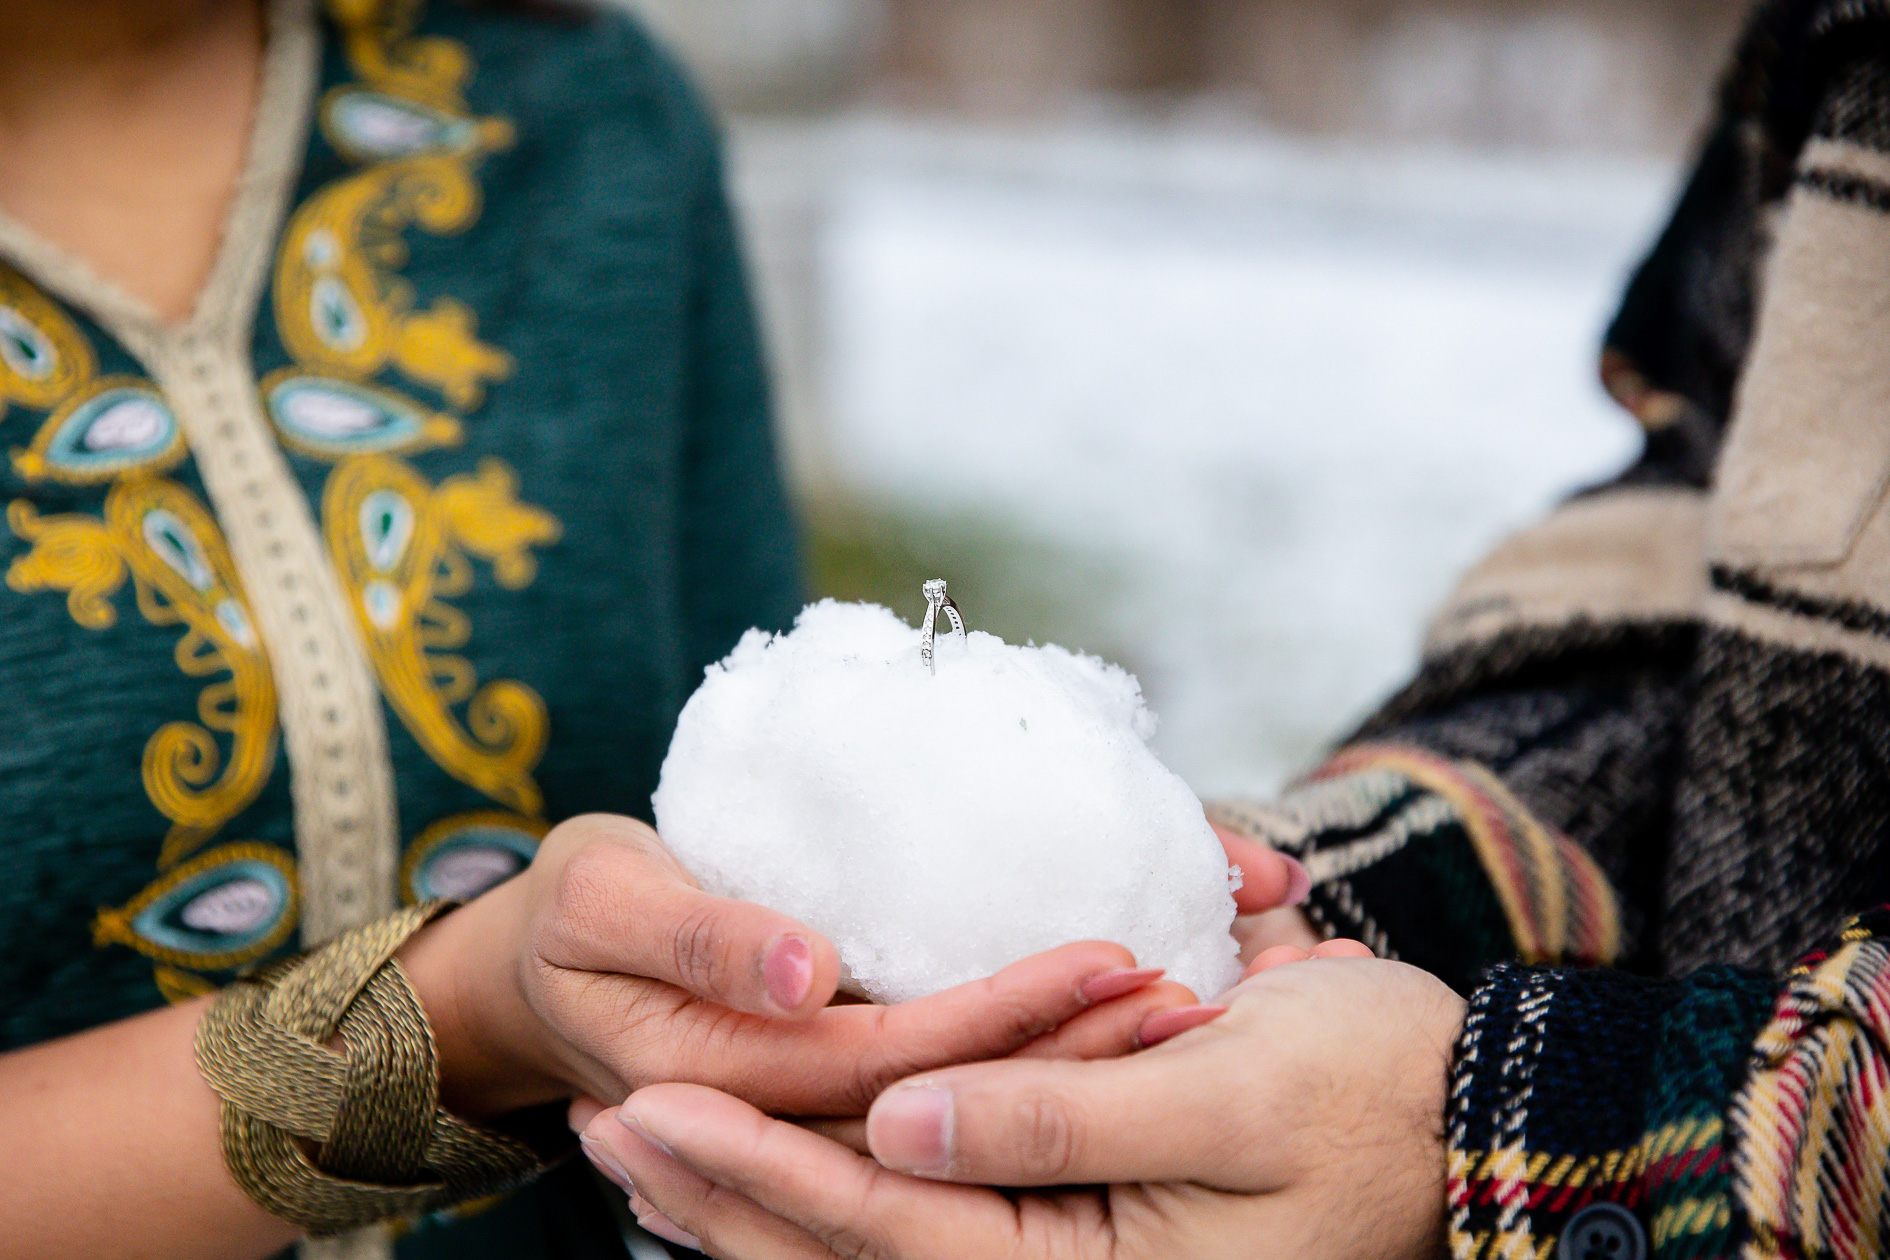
[938,826]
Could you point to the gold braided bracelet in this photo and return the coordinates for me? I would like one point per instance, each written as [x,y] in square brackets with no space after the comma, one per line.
[383,1147]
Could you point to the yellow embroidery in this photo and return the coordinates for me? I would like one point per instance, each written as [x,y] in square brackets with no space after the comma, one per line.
[104,430]
[159,535]
[120,430]
[330,419]
[43,355]
[402,548]
[336,309]
[496,832]
[233,905]
[179,986]
[382,48]
[482,511]
[368,126]
[75,554]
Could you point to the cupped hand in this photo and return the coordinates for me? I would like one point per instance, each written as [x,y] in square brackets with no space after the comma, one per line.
[604,967]
[1307,1121]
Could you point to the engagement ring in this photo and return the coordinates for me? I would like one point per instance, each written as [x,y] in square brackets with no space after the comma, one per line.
[936,599]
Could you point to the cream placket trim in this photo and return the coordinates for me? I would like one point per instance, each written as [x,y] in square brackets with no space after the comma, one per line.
[333,732]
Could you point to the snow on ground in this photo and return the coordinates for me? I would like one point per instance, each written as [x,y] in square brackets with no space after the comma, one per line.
[1285,393]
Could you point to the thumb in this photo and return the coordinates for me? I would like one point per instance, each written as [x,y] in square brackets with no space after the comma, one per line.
[1156,1116]
[622,905]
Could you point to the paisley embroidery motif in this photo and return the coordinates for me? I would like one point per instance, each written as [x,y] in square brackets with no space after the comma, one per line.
[463,856]
[43,355]
[340,312]
[367,126]
[330,419]
[402,548]
[115,425]
[233,905]
[159,535]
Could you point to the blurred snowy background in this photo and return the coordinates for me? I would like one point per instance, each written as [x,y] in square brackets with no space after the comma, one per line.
[1214,336]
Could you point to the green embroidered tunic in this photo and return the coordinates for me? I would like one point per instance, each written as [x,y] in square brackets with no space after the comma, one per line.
[411,541]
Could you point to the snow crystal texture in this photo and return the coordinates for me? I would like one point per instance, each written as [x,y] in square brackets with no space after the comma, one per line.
[937,827]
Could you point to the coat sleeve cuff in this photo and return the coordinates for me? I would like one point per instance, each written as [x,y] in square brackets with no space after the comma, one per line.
[1814,1116]
[1579,1087]
[1436,862]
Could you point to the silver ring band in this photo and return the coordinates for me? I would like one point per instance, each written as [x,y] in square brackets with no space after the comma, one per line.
[936,600]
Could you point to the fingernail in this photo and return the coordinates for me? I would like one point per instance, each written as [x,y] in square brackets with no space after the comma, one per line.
[1162,1025]
[910,1129]
[1298,882]
[789,972]
[1113,984]
[668,1230]
[635,1126]
[606,1163]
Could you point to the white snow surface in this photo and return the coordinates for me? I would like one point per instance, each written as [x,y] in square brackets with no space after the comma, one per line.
[939,826]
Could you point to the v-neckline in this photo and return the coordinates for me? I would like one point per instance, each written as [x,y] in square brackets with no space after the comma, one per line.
[226,302]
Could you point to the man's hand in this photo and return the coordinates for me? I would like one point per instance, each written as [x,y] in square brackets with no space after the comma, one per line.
[1305,1122]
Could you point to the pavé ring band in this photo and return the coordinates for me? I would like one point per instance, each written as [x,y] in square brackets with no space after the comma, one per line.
[935,600]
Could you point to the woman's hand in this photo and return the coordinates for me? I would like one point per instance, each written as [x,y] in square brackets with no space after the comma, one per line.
[1305,1122]
[603,967]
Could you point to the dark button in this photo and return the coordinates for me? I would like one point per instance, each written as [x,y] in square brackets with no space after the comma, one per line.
[1603,1231]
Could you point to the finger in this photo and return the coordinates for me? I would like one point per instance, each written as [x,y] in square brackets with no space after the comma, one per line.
[1269,878]
[1277,956]
[621,905]
[1286,926]
[1156,1116]
[849,1132]
[1115,1028]
[849,1203]
[1000,1014]
[1111,1029]
[1167,1025]
[656,1223]
[582,1111]
[866,1048]
[680,1205]
[836,1063]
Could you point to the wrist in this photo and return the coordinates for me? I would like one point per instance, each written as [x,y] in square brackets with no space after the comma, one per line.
[349,1133]
[464,968]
